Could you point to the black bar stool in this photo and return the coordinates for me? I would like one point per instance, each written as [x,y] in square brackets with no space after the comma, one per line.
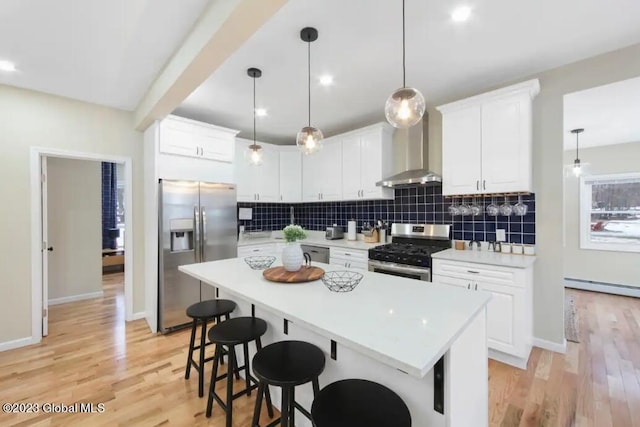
[204,312]
[286,364]
[359,403]
[240,330]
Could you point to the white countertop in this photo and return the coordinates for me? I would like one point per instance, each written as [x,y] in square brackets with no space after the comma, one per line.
[313,238]
[405,323]
[486,257]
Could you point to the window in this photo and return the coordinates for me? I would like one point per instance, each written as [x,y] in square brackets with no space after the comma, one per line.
[610,212]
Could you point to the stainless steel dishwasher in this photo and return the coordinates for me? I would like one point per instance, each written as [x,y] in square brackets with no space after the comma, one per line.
[317,253]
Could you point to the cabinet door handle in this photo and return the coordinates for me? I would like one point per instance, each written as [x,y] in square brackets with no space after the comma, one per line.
[484,184]
[469,286]
[476,287]
[281,197]
[474,272]
[258,196]
[477,184]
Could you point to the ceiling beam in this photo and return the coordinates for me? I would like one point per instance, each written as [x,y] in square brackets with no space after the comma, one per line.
[223,27]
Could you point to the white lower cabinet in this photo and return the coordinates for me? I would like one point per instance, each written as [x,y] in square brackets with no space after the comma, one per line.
[353,259]
[510,311]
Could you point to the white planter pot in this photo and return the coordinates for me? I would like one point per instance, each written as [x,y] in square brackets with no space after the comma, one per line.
[292,257]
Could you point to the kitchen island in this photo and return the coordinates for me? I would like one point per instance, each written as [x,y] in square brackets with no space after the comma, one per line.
[389,329]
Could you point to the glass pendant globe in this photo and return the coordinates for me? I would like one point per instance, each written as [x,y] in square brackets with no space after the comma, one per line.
[404,108]
[577,169]
[253,155]
[309,140]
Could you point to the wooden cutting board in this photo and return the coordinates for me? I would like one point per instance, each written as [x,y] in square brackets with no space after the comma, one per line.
[305,274]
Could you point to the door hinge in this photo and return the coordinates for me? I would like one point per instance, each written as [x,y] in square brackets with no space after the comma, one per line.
[44,245]
[44,312]
[43,177]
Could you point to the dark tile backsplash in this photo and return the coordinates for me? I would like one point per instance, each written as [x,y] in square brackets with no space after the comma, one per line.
[422,205]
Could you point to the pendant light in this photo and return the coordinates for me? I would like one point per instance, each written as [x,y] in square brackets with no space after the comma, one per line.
[404,107]
[253,155]
[309,139]
[577,167]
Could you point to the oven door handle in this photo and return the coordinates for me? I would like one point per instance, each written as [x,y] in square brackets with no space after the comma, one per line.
[391,267]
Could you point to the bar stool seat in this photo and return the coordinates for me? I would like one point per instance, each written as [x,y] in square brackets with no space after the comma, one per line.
[202,312]
[230,333]
[359,403]
[287,364]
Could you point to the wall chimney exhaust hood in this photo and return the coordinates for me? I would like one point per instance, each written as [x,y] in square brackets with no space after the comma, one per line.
[416,139]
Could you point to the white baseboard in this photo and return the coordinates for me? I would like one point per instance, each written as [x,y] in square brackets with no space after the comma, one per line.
[74,298]
[508,359]
[550,345]
[22,342]
[139,315]
[607,288]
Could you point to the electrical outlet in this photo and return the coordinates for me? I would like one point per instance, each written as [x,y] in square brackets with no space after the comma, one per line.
[501,235]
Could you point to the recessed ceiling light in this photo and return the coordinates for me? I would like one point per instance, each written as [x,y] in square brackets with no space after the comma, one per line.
[261,112]
[326,80]
[7,66]
[461,14]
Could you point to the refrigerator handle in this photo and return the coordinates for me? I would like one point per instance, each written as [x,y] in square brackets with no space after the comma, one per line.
[196,227]
[203,240]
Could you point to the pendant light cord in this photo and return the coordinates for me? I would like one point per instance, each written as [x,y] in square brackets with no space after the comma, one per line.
[254,111]
[404,69]
[309,81]
[577,156]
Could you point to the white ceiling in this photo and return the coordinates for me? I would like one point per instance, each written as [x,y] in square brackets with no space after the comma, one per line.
[102,51]
[360,44]
[609,114]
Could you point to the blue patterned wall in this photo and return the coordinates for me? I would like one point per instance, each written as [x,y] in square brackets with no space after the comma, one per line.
[411,205]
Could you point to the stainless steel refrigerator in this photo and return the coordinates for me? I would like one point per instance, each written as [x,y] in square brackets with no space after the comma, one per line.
[197,223]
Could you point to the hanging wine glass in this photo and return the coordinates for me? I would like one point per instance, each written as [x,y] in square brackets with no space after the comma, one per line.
[506,209]
[520,209]
[465,210]
[453,209]
[475,208]
[493,209]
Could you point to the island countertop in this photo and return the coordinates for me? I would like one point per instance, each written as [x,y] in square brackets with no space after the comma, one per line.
[404,323]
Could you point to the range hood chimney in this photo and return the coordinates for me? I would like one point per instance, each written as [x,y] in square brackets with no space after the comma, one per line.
[417,148]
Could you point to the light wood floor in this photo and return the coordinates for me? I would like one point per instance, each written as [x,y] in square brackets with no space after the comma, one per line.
[91,355]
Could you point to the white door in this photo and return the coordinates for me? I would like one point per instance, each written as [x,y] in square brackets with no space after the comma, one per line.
[290,175]
[178,138]
[372,148]
[501,316]
[245,175]
[46,249]
[461,151]
[331,170]
[312,177]
[214,145]
[503,147]
[268,176]
[351,168]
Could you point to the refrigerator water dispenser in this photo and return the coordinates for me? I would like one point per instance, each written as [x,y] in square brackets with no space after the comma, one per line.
[181,234]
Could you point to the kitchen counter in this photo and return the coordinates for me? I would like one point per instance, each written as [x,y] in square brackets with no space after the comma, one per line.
[389,329]
[314,238]
[486,257]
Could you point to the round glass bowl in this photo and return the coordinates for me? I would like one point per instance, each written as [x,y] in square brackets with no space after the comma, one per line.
[341,281]
[259,262]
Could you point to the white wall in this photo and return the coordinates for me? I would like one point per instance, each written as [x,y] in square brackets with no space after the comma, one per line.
[30,119]
[620,268]
[75,227]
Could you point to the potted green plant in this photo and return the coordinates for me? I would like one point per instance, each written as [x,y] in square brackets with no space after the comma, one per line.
[292,256]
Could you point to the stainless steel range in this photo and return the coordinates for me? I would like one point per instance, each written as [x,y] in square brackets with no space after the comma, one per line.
[410,253]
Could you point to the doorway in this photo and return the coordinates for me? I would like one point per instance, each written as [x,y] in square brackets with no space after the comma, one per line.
[42,250]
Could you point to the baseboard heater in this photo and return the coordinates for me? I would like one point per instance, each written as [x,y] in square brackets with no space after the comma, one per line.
[607,288]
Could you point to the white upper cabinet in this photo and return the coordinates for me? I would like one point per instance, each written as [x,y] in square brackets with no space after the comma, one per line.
[184,137]
[322,173]
[290,175]
[367,158]
[486,142]
[257,183]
